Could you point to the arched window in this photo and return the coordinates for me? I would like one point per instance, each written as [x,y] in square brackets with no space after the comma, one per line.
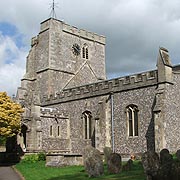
[85,53]
[132,120]
[87,125]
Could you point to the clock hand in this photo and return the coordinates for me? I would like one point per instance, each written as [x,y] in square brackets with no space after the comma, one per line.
[76,49]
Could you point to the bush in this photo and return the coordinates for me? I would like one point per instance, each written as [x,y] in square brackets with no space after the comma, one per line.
[2,141]
[41,156]
[32,158]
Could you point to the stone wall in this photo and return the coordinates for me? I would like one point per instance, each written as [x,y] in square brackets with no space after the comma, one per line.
[143,98]
[100,107]
[172,115]
[73,138]
[60,160]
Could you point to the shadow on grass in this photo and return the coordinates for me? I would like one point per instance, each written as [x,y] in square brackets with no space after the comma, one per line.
[69,177]
[104,177]
[77,177]
[136,173]
[39,171]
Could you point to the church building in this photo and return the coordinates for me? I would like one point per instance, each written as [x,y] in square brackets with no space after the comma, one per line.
[69,103]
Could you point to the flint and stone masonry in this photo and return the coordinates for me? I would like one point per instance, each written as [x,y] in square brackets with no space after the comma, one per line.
[69,103]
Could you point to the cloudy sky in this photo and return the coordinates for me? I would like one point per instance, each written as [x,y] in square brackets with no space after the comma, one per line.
[134,30]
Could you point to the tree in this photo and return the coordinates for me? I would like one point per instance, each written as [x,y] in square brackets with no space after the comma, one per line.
[10,116]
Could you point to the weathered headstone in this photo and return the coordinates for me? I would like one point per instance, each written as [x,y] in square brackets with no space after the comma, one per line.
[175,171]
[166,162]
[176,167]
[114,163]
[93,162]
[107,152]
[169,169]
[150,161]
[178,154]
[128,165]
[165,156]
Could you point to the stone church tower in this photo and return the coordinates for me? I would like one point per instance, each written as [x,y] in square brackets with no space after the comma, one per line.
[61,57]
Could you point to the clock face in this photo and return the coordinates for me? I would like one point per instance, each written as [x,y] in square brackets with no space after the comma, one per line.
[76,49]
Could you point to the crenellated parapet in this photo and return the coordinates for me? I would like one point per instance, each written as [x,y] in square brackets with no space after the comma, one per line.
[102,88]
[83,33]
[53,113]
[72,30]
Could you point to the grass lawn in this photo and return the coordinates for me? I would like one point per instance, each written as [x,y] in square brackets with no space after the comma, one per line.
[38,171]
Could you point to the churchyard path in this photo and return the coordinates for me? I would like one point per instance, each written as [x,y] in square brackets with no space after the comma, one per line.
[8,173]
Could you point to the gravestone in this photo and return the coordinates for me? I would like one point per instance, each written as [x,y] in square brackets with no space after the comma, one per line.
[128,165]
[176,166]
[93,162]
[178,154]
[151,164]
[114,163]
[166,164]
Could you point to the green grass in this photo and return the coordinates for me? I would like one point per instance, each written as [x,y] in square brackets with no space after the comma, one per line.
[38,171]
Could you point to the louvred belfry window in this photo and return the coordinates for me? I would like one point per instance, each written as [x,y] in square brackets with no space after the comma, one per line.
[85,52]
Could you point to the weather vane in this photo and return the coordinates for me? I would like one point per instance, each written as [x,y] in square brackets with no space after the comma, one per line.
[52,7]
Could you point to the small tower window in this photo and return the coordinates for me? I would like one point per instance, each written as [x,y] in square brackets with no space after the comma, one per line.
[85,53]
[51,131]
[132,120]
[58,131]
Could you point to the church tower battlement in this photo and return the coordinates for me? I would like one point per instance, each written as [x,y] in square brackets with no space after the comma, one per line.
[47,24]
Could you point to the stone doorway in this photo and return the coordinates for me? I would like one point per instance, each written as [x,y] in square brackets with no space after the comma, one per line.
[24,136]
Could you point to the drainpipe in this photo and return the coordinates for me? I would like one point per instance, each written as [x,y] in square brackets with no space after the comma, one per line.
[112,121]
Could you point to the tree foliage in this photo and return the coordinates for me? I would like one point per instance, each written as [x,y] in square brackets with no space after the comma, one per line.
[10,116]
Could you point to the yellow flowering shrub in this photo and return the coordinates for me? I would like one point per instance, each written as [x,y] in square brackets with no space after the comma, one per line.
[10,116]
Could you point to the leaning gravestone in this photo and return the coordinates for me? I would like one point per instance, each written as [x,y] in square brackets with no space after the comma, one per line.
[114,163]
[93,162]
[150,161]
